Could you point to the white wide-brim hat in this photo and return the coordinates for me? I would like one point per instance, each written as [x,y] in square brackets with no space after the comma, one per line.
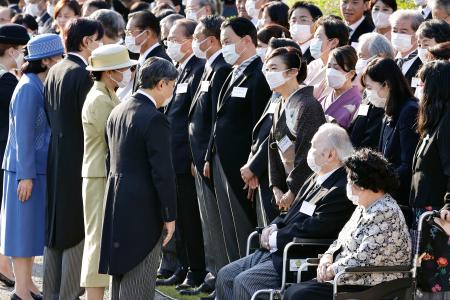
[110,57]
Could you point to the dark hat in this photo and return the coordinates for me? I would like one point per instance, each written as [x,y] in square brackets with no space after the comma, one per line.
[13,34]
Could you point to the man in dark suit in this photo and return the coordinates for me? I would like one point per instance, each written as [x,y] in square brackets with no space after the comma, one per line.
[241,101]
[202,113]
[140,191]
[65,90]
[405,23]
[142,37]
[321,201]
[354,13]
[189,243]
[39,11]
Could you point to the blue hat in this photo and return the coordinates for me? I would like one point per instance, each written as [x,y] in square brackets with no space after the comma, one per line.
[43,46]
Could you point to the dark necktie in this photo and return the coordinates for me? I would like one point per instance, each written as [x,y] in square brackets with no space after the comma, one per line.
[402,61]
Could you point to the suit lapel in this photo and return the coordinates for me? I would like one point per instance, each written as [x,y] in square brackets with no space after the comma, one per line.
[205,77]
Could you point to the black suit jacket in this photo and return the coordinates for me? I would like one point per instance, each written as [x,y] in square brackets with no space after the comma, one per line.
[307,56]
[365,27]
[365,130]
[8,83]
[177,113]
[158,51]
[430,185]
[202,112]
[236,117]
[65,90]
[309,118]
[398,140]
[140,191]
[333,210]
[412,71]
[45,23]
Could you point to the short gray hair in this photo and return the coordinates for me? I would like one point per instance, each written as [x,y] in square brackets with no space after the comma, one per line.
[415,16]
[377,45]
[336,138]
[442,4]
[154,70]
[210,3]
[112,22]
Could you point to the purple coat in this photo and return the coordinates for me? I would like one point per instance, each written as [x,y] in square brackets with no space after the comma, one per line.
[344,107]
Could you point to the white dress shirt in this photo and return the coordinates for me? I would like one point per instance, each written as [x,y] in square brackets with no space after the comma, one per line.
[143,56]
[213,57]
[355,25]
[304,47]
[79,56]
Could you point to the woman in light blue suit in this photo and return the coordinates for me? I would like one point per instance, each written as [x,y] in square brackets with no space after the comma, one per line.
[25,165]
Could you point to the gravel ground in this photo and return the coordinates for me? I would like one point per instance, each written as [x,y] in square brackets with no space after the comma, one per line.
[5,292]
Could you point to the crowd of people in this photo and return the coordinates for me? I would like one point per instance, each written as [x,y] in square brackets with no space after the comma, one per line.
[142,142]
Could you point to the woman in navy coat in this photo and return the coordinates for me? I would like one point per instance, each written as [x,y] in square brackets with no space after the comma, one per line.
[25,165]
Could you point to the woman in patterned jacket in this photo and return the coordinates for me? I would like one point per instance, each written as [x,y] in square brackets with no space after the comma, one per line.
[375,235]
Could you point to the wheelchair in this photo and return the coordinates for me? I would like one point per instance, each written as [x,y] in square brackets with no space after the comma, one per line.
[398,289]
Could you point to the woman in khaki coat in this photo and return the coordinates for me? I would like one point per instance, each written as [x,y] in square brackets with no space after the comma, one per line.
[110,67]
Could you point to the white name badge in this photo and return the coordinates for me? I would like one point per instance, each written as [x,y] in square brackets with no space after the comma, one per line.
[271,109]
[415,82]
[363,110]
[307,208]
[204,86]
[239,92]
[182,88]
[284,143]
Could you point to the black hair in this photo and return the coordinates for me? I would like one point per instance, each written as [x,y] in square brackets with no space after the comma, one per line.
[145,20]
[334,29]
[34,67]
[96,75]
[98,4]
[391,3]
[211,25]
[370,170]
[314,11]
[188,26]
[438,30]
[293,59]
[436,94]
[440,51]
[164,13]
[275,43]
[272,31]
[154,70]
[345,57]
[80,28]
[25,20]
[386,71]
[277,12]
[242,27]
[139,6]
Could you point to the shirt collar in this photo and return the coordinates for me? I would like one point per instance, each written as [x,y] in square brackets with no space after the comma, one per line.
[213,57]
[247,61]
[147,95]
[304,47]
[79,56]
[143,56]
[183,65]
[355,25]
[322,178]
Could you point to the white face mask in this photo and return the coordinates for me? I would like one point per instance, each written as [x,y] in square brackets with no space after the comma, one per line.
[261,52]
[350,196]
[174,51]
[301,33]
[130,42]
[18,58]
[126,78]
[316,48]
[311,160]
[229,54]
[250,7]
[423,53]
[380,19]
[192,15]
[196,49]
[360,65]
[51,10]
[401,41]
[275,78]
[33,9]
[375,99]
[335,78]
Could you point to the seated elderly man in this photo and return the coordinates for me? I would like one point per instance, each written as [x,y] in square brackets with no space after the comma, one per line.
[365,129]
[321,202]
[375,235]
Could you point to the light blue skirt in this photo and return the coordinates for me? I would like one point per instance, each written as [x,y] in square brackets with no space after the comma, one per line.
[22,223]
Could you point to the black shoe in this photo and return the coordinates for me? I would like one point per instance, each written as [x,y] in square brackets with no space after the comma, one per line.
[164,274]
[211,296]
[188,283]
[36,296]
[6,281]
[172,280]
[15,297]
[203,288]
